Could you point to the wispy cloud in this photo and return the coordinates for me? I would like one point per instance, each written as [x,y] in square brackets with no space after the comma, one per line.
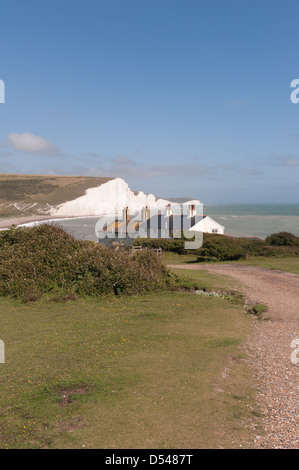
[31,143]
[128,168]
[239,170]
[125,167]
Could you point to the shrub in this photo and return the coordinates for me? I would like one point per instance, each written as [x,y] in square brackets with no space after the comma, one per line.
[282,239]
[45,260]
[175,245]
[225,248]
[220,248]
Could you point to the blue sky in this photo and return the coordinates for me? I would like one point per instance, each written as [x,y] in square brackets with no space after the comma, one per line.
[178,97]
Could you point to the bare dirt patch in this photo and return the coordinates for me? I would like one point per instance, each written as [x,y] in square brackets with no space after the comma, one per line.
[66,394]
[73,425]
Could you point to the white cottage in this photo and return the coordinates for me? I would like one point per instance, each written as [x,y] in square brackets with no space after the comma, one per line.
[208,225]
[171,220]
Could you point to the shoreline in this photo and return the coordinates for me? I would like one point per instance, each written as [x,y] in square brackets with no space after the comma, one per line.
[6,223]
[239,226]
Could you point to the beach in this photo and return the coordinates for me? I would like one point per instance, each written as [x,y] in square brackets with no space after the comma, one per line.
[8,222]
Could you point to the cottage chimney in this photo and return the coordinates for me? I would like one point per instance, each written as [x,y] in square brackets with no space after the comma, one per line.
[145,213]
[126,214]
[192,210]
[168,210]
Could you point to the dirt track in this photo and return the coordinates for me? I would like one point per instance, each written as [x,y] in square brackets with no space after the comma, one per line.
[278,289]
[270,348]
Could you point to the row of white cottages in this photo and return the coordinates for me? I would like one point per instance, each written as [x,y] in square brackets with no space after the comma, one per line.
[163,222]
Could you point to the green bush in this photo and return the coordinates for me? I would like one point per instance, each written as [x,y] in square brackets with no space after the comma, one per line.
[282,239]
[225,248]
[175,245]
[220,249]
[46,261]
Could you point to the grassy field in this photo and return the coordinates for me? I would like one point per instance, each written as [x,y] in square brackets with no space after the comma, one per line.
[284,264]
[206,281]
[174,258]
[154,371]
[290,264]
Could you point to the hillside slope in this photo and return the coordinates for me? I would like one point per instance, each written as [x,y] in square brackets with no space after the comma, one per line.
[27,195]
[41,196]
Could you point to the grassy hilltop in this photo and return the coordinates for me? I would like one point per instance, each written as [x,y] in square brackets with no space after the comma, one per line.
[26,195]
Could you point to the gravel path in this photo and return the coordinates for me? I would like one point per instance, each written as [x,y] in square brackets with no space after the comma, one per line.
[270,349]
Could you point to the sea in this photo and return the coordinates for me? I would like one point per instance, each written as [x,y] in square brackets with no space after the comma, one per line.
[255,220]
[240,220]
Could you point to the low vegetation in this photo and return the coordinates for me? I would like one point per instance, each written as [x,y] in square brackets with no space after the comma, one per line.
[158,371]
[282,239]
[256,309]
[226,248]
[288,264]
[46,261]
[108,370]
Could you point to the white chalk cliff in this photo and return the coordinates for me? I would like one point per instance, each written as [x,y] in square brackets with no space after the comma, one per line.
[109,198]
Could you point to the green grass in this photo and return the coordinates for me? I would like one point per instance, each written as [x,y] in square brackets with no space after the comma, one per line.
[206,281]
[290,264]
[258,310]
[174,258]
[160,371]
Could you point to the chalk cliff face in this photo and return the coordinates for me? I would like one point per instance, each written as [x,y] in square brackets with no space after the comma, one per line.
[109,198]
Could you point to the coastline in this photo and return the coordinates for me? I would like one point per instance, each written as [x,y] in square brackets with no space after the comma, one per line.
[8,222]
[236,225]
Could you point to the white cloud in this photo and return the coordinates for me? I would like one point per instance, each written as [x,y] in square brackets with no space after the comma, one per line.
[31,143]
